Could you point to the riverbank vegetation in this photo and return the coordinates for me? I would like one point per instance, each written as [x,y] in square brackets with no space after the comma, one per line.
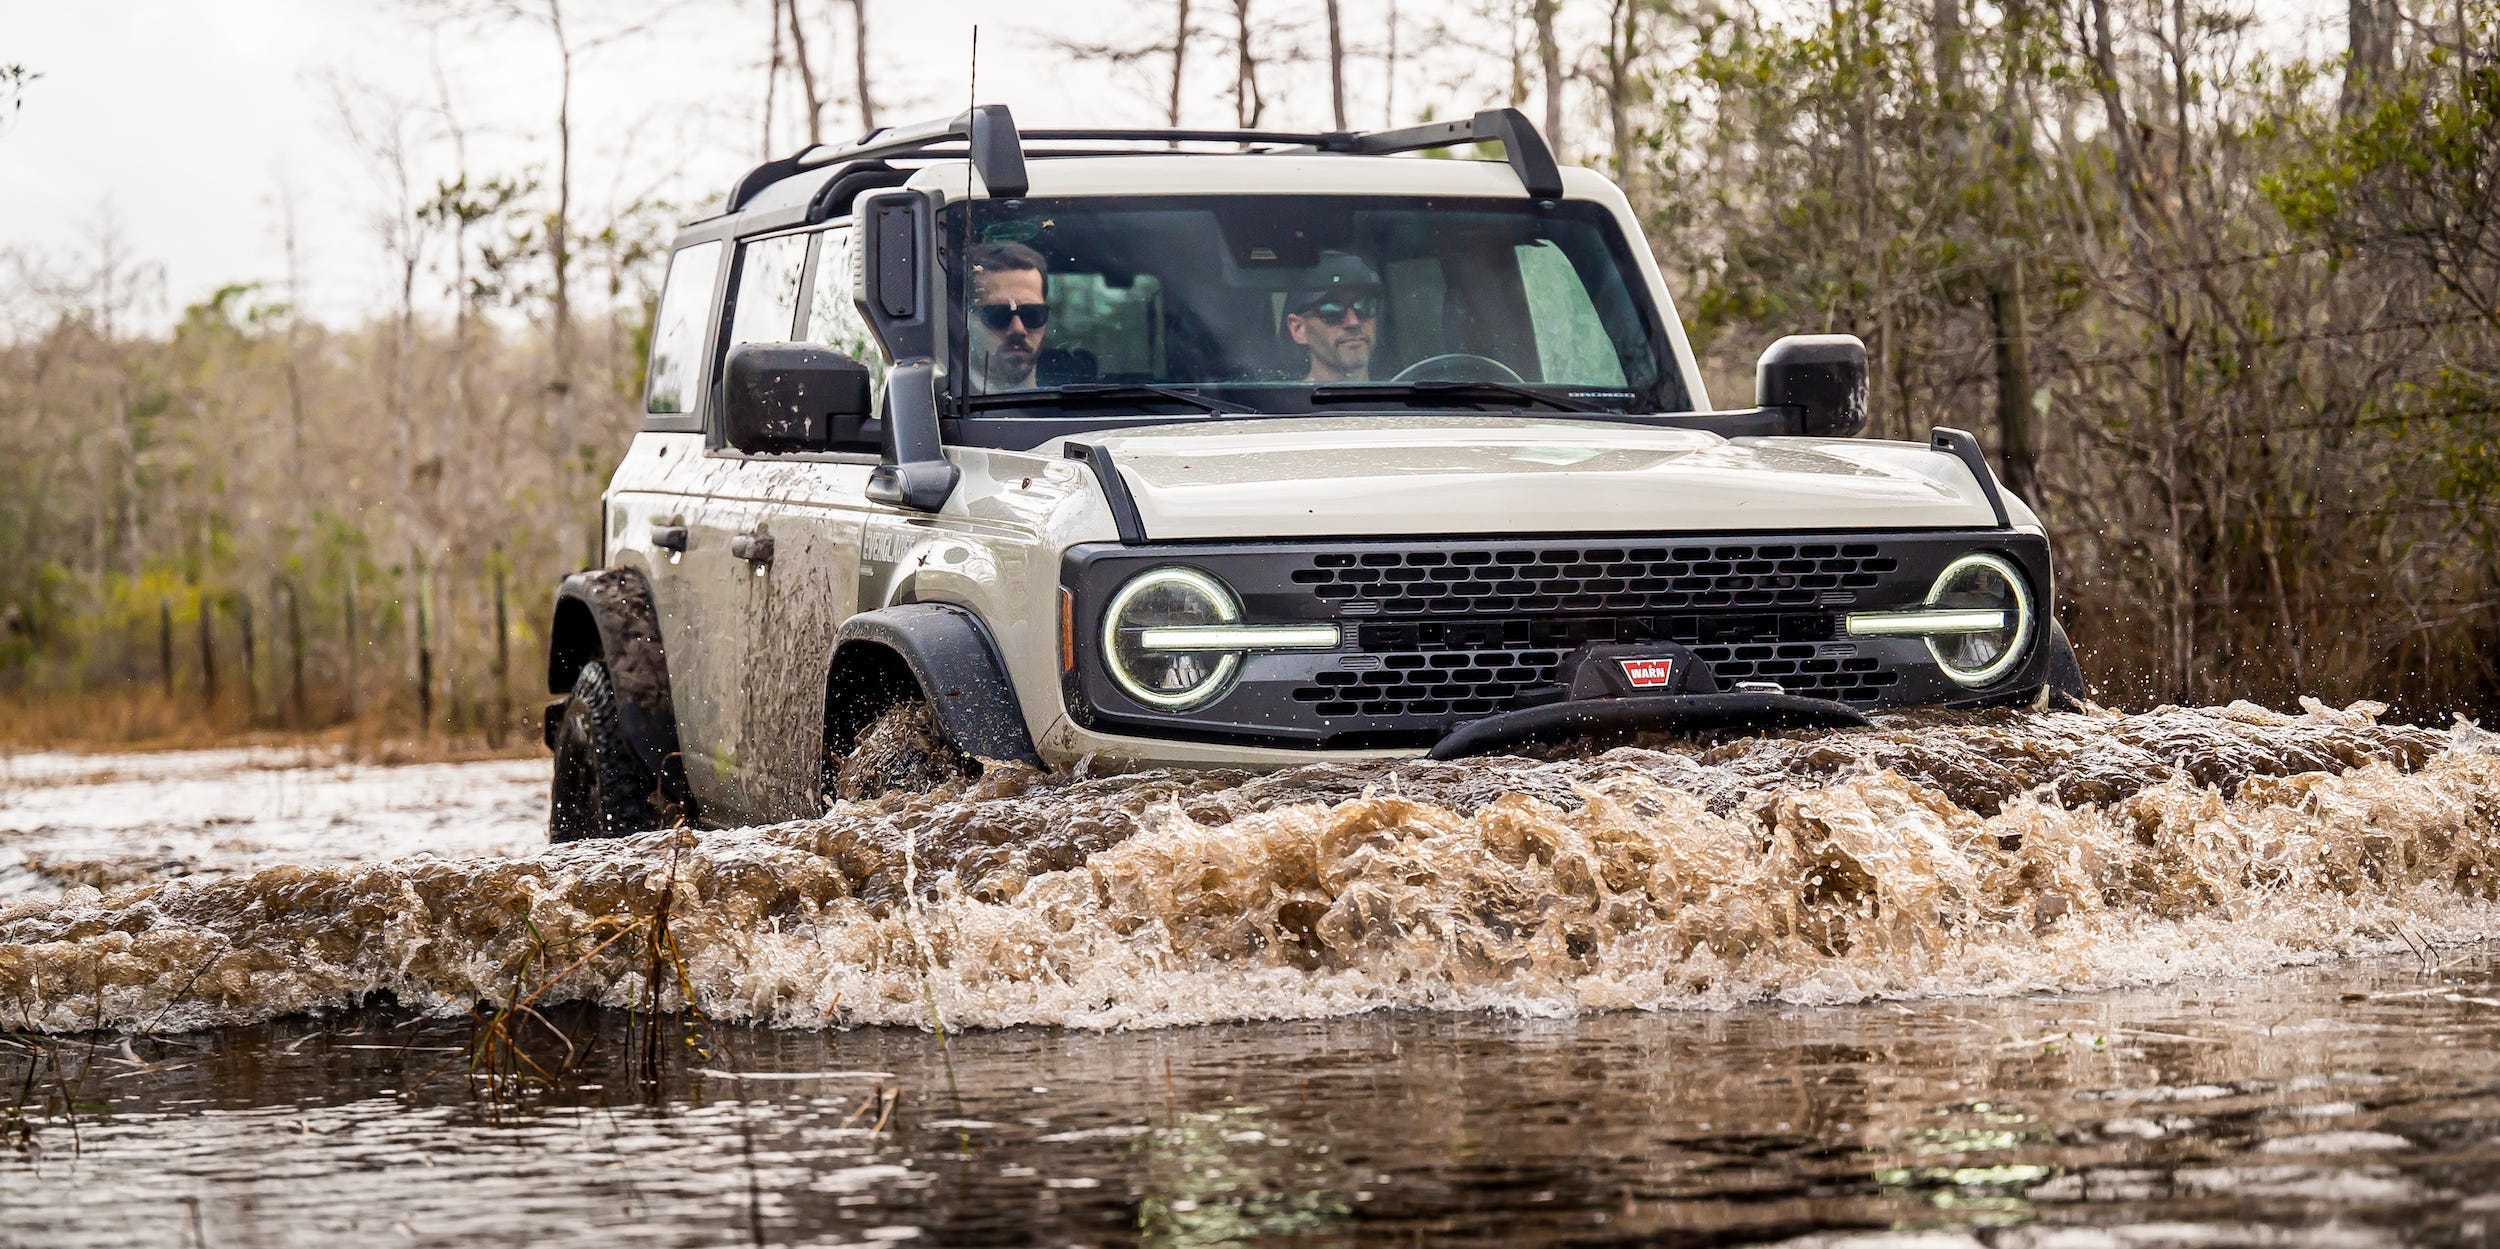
[2221,294]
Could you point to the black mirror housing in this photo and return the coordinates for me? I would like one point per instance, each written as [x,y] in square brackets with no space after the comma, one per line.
[779,398]
[896,287]
[1820,379]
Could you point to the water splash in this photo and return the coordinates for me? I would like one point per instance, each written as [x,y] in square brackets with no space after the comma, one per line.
[1928,855]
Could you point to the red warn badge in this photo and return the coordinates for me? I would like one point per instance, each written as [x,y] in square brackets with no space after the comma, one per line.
[1648,674]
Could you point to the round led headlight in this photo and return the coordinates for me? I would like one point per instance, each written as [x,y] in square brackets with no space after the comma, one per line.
[1147,668]
[1988,591]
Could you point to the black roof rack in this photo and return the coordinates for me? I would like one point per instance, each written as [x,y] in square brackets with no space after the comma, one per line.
[988,136]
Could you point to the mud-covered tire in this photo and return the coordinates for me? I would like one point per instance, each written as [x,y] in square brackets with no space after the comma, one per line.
[902,751]
[601,787]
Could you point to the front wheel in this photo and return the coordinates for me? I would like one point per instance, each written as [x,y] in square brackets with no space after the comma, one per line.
[903,751]
[601,787]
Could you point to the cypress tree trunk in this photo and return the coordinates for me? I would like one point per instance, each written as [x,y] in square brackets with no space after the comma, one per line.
[251,663]
[1336,63]
[2017,461]
[165,644]
[859,65]
[1180,61]
[294,657]
[1549,65]
[425,665]
[503,663]
[350,698]
[208,654]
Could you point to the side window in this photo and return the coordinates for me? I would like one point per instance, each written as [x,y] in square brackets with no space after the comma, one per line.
[833,318]
[677,331]
[768,290]
[1572,343]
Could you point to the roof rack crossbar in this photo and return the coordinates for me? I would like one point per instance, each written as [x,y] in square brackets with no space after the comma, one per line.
[988,135]
[987,132]
[1521,144]
[1332,141]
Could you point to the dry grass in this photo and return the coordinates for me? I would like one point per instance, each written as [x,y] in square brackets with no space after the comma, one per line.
[148,720]
[508,1055]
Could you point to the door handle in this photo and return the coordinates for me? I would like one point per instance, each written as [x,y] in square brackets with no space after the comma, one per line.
[669,537]
[754,548]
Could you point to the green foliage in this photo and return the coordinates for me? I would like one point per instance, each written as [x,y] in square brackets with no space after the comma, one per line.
[2410,180]
[2253,304]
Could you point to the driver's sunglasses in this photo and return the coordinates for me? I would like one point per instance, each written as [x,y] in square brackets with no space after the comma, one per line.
[1334,310]
[997,316]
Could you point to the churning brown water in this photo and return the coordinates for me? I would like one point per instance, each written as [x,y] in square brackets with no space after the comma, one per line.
[1545,925]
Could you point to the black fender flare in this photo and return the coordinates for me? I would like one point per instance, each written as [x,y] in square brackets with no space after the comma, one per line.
[2062,673]
[607,614]
[949,654]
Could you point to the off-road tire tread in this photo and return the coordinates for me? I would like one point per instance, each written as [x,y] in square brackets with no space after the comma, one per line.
[620,788]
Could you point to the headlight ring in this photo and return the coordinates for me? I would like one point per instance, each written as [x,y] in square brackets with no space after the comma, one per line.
[1174,638]
[1977,621]
[1981,583]
[1166,598]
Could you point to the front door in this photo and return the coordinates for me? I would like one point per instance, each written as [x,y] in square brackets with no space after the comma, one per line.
[657,495]
[788,529]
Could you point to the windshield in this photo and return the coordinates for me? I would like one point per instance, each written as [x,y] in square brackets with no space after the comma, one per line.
[1290,301]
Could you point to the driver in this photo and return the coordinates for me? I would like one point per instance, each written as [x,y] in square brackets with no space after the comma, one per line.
[1009,310]
[1337,319]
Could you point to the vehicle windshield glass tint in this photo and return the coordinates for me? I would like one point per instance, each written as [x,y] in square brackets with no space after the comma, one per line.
[1286,291]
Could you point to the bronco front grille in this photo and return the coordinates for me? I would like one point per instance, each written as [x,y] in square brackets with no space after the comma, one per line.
[1473,668]
[1752,611]
[1565,578]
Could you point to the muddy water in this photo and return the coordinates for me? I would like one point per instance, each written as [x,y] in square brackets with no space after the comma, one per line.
[1897,976]
[2356,1105]
[2009,854]
[108,820]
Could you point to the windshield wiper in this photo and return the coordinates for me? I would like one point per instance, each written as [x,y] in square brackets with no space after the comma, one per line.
[1355,392]
[1095,394]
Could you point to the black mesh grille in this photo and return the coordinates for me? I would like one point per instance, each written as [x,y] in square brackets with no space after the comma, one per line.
[1473,632]
[1469,680]
[1569,578]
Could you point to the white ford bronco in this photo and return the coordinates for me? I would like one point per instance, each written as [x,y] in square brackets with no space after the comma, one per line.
[968,447]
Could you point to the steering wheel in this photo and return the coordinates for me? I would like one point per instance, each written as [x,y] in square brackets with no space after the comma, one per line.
[1458,366]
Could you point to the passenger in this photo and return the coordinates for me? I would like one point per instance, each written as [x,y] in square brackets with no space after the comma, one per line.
[1337,320]
[1009,310]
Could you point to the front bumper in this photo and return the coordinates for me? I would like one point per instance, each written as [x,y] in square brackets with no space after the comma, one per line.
[1442,633]
[1673,713]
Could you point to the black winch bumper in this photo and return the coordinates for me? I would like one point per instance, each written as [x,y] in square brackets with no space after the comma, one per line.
[1658,687]
[1671,713]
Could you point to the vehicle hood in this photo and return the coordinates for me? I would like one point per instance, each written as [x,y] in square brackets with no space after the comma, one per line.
[1340,476]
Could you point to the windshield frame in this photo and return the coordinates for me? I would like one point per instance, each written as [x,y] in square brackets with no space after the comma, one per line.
[964,223]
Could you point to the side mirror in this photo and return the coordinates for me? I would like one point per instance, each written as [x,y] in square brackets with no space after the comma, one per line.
[1820,379]
[784,397]
[897,293]
[897,288]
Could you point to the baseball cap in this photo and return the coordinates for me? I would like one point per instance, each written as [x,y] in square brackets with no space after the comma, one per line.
[1338,275]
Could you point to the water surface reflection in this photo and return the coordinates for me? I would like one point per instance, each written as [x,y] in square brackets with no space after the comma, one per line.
[2356,1104]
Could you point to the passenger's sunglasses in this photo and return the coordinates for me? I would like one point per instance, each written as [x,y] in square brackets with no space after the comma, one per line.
[997,316]
[1334,310]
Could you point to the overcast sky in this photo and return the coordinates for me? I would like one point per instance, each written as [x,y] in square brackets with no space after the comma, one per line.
[190,125]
